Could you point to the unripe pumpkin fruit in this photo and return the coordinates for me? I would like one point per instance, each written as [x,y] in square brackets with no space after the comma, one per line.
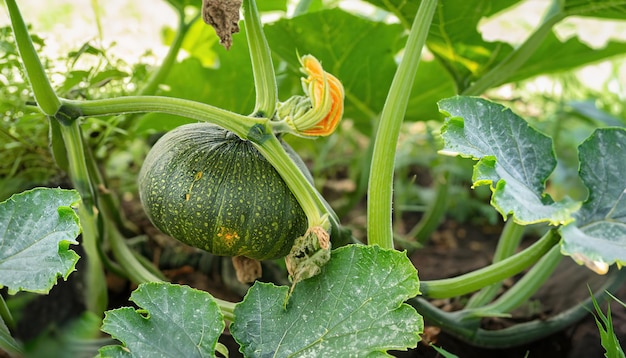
[208,188]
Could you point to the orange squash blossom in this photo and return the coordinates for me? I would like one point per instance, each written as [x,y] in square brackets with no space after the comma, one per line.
[319,112]
[322,87]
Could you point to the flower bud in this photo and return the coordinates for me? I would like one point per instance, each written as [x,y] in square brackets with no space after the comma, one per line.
[318,113]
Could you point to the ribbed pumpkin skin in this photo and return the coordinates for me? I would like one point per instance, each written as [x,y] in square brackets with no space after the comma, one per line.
[204,186]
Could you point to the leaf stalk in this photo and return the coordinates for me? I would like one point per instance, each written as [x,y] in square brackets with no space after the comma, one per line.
[380,192]
[510,239]
[460,285]
[527,285]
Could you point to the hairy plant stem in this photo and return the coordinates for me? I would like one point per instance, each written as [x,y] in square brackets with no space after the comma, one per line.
[236,123]
[508,242]
[380,192]
[96,298]
[96,291]
[262,68]
[115,228]
[45,96]
[128,264]
[79,173]
[527,285]
[496,272]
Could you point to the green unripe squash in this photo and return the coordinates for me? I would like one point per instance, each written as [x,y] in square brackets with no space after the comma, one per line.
[208,188]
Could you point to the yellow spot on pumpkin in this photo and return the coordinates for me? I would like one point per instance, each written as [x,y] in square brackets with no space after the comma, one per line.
[228,236]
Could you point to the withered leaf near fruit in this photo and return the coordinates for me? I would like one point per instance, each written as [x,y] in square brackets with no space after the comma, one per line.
[223,15]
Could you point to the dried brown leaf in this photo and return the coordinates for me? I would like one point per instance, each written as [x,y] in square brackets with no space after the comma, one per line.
[223,15]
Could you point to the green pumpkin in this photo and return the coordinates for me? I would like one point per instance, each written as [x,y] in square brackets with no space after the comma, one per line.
[208,188]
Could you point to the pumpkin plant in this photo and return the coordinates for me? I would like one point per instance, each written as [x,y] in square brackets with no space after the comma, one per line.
[230,185]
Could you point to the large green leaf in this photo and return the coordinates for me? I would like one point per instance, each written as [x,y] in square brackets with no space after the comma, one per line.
[272,5]
[553,55]
[199,41]
[353,308]
[514,159]
[432,83]
[599,232]
[36,230]
[174,321]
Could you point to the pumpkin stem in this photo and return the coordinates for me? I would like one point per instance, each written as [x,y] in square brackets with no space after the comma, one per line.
[262,67]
